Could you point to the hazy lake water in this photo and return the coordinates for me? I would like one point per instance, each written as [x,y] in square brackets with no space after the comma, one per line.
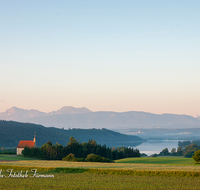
[156,146]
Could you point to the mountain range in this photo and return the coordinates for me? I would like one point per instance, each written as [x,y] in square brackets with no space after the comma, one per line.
[18,114]
[70,117]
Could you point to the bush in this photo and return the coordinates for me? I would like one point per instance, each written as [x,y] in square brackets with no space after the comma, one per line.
[70,157]
[196,156]
[97,158]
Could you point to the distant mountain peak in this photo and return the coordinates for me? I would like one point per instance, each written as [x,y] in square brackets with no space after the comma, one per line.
[197,116]
[11,110]
[70,110]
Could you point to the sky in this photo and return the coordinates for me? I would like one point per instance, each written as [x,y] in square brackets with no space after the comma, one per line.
[106,55]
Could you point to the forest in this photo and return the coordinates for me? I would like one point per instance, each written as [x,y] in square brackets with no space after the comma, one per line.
[49,151]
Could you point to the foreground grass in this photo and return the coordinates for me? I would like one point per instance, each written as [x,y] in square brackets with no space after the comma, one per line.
[158,160]
[87,175]
[100,181]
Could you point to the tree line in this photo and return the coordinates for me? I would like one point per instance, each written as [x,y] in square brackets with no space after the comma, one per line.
[186,149]
[49,151]
[183,144]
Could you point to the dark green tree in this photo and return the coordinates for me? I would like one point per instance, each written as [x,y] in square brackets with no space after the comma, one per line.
[190,150]
[179,151]
[173,151]
[164,152]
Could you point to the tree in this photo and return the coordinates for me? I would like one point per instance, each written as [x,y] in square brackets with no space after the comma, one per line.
[94,143]
[196,156]
[173,151]
[164,152]
[72,141]
[179,151]
[190,150]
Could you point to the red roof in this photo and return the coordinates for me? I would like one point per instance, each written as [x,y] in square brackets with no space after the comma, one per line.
[22,144]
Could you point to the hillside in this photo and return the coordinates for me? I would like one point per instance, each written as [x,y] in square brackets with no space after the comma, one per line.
[12,132]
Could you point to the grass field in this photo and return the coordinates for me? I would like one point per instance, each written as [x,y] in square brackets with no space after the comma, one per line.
[135,173]
[158,160]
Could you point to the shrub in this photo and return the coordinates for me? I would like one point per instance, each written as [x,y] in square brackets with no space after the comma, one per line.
[97,158]
[70,157]
[196,156]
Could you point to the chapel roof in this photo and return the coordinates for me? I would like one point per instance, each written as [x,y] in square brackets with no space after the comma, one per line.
[24,143]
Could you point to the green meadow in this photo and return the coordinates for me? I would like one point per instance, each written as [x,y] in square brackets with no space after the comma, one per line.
[131,173]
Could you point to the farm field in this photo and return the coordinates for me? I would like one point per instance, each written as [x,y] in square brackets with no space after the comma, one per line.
[129,164]
[87,175]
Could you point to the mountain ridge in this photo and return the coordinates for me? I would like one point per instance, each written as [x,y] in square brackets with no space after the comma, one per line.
[70,117]
[115,120]
[19,114]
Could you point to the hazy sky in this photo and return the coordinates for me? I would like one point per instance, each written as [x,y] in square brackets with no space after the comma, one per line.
[106,55]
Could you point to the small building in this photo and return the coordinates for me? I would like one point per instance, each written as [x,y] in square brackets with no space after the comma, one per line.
[23,143]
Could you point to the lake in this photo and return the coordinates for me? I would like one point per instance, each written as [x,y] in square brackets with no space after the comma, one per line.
[156,146]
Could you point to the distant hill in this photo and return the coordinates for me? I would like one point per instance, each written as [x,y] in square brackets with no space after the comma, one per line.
[84,118]
[12,132]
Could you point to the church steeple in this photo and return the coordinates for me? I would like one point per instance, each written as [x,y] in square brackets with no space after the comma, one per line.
[34,139]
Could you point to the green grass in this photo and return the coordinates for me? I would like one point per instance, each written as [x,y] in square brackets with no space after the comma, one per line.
[175,173]
[157,160]
[13,157]
[100,181]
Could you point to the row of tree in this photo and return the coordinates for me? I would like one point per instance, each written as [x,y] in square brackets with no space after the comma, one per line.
[183,144]
[188,151]
[56,151]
